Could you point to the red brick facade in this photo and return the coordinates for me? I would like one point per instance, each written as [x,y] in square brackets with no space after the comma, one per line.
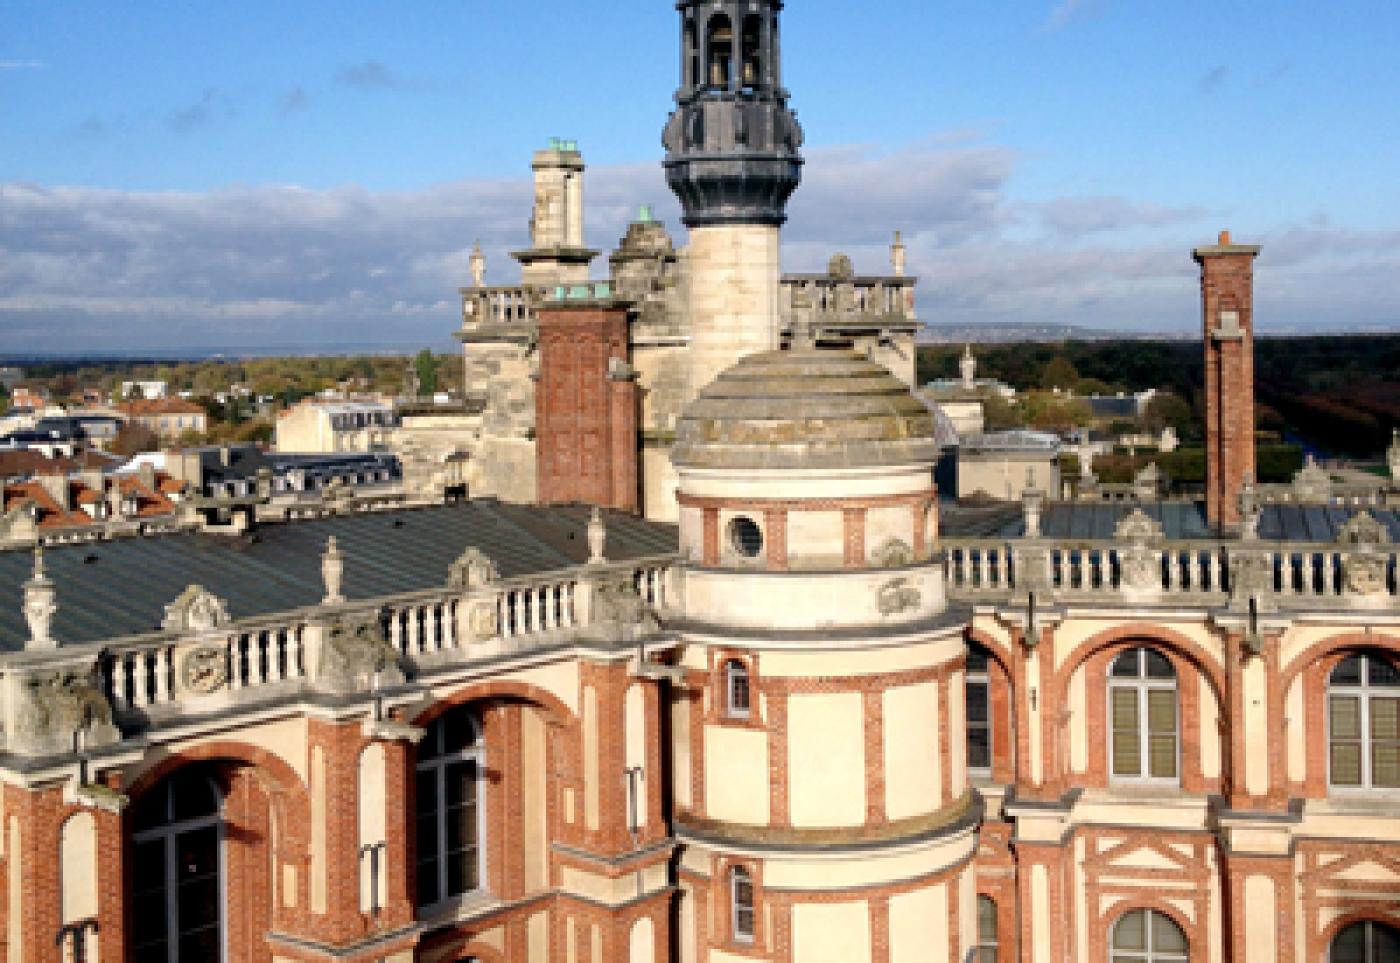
[1227,312]
[586,407]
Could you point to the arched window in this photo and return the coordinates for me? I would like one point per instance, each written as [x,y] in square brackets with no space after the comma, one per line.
[751,41]
[449,808]
[741,904]
[736,689]
[1363,723]
[176,878]
[1366,942]
[979,717]
[1146,936]
[986,930]
[1142,709]
[719,47]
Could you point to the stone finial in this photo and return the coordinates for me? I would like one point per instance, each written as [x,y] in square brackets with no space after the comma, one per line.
[478,266]
[597,537]
[897,254]
[40,606]
[1392,456]
[333,572]
[804,333]
[967,366]
[1312,485]
[1032,501]
[1250,509]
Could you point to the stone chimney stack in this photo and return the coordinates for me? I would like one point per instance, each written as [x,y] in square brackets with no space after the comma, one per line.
[1227,315]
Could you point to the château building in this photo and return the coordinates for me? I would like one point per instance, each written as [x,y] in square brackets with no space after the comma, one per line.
[821,716]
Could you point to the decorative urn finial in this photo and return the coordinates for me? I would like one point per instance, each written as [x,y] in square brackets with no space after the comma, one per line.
[333,572]
[597,537]
[40,605]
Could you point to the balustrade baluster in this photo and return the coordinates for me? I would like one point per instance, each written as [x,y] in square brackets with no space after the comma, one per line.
[140,678]
[522,625]
[162,670]
[298,654]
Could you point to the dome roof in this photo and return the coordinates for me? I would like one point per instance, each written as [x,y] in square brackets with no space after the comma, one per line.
[805,408]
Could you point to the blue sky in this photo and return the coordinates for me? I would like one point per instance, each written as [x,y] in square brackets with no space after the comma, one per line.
[305,172]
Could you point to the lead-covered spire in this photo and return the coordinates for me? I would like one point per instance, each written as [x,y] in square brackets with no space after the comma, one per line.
[732,144]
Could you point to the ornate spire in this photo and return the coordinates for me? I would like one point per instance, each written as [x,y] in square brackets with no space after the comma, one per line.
[897,253]
[732,144]
[40,606]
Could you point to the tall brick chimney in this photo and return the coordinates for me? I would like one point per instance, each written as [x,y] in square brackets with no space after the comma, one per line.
[1227,314]
[586,401]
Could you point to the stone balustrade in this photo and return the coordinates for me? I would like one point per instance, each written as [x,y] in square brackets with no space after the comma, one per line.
[1109,570]
[501,305]
[343,647]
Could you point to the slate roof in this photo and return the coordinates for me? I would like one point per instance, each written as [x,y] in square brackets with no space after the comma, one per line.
[118,588]
[1179,520]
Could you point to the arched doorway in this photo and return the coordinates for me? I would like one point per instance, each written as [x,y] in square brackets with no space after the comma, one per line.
[1366,941]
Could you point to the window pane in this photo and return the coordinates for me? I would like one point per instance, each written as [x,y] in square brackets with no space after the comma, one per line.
[461,782]
[1125,708]
[1385,941]
[1346,764]
[1382,672]
[976,702]
[1162,750]
[1350,945]
[1348,671]
[198,852]
[192,796]
[1159,666]
[986,920]
[976,658]
[1126,665]
[1127,753]
[979,751]
[1385,765]
[148,871]
[1345,712]
[1161,710]
[200,945]
[1385,718]
[199,904]
[458,732]
[428,881]
[1131,931]
[1166,935]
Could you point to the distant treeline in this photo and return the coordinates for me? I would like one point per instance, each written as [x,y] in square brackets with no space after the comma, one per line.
[1339,394]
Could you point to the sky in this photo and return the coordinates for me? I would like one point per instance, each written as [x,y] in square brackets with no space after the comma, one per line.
[312,174]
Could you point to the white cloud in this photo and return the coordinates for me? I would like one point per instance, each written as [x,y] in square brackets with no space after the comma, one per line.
[21,64]
[85,268]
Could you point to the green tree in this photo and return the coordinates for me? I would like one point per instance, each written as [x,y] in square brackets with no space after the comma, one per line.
[1059,373]
[426,365]
[1169,410]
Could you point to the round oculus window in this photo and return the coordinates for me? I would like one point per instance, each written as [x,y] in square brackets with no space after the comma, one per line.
[746,537]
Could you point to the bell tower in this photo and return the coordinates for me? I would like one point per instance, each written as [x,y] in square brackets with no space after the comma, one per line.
[732,157]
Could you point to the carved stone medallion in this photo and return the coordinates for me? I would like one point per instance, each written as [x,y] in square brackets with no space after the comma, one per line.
[206,669]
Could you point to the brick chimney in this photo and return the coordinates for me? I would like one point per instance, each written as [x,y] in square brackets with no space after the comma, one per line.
[586,401]
[1227,315]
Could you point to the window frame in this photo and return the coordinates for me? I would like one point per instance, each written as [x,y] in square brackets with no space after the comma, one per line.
[1142,685]
[170,831]
[981,677]
[736,670]
[1369,927]
[1149,953]
[983,946]
[739,875]
[438,764]
[1365,692]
